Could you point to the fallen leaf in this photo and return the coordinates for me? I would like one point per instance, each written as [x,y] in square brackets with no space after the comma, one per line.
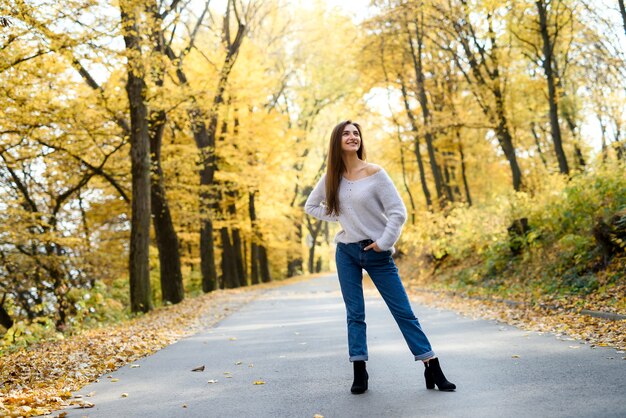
[212,381]
[184,405]
[90,394]
[68,362]
[134,366]
[86,405]
[237,363]
[124,395]
[318,416]
[515,356]
[259,382]
[62,414]
[115,380]
[233,338]
[198,369]
[574,346]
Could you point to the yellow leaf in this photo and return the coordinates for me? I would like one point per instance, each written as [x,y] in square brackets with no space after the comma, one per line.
[124,395]
[115,380]
[515,356]
[259,382]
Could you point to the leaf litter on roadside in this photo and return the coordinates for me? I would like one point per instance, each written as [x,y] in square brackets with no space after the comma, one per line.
[41,379]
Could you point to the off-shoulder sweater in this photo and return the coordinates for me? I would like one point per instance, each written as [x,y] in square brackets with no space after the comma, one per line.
[369,208]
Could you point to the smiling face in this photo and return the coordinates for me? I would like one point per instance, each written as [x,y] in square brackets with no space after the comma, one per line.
[350,138]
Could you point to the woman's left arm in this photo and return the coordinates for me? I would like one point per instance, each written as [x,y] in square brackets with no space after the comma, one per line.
[394,210]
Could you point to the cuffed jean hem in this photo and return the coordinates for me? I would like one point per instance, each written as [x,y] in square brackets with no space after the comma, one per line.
[358,358]
[425,356]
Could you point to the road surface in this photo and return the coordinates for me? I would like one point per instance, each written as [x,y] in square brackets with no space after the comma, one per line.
[293,338]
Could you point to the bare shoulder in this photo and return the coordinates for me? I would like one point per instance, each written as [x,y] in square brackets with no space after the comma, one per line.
[372,169]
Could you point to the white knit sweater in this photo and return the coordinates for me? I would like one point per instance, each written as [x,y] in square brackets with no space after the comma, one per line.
[369,208]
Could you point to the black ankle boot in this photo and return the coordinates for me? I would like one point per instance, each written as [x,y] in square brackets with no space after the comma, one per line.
[360,377]
[434,376]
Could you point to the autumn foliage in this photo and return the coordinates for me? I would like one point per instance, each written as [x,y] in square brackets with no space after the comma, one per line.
[150,151]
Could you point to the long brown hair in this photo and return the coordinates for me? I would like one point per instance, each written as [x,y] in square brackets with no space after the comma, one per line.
[336,167]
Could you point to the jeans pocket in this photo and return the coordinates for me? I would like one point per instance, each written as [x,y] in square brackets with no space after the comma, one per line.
[382,257]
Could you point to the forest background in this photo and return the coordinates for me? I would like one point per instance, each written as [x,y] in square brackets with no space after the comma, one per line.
[157,150]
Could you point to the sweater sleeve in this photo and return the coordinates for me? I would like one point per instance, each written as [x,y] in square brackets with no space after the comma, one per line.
[316,203]
[394,210]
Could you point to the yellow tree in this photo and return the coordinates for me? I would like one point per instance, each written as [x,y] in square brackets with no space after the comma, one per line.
[50,159]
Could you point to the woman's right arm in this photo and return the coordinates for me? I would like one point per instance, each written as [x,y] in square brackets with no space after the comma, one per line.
[315,204]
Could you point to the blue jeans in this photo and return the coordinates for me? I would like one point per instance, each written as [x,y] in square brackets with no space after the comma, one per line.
[351,259]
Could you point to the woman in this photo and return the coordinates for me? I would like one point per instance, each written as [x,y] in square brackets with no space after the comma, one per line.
[363,199]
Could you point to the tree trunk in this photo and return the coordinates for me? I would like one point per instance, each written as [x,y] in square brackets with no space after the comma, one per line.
[239,260]
[229,270]
[506,141]
[206,147]
[254,263]
[264,265]
[422,98]
[204,136]
[622,11]
[139,268]
[451,183]
[258,253]
[571,124]
[533,130]
[548,69]
[237,244]
[314,229]
[5,319]
[254,248]
[468,197]
[482,77]
[207,254]
[418,152]
[295,265]
[167,241]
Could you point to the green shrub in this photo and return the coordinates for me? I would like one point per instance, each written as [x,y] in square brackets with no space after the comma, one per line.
[558,252]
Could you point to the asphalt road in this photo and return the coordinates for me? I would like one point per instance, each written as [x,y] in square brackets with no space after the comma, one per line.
[293,339]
